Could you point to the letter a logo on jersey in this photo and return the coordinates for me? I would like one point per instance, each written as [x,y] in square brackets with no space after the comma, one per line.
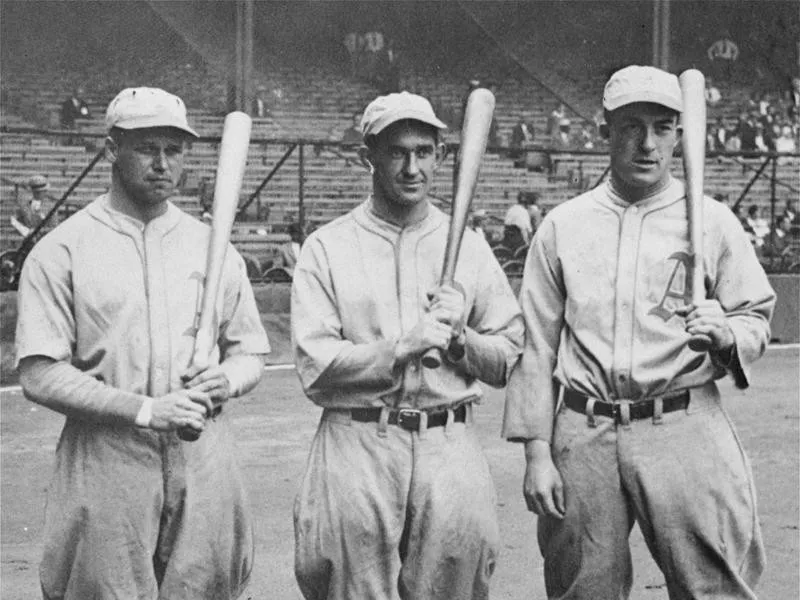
[678,292]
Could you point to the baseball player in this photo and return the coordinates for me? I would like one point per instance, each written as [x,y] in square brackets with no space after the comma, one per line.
[621,421]
[108,304]
[397,500]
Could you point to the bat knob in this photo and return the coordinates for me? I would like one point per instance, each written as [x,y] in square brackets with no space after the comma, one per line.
[187,434]
[432,359]
[700,343]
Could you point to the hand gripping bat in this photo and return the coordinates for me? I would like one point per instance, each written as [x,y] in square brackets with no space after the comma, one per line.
[474,137]
[230,172]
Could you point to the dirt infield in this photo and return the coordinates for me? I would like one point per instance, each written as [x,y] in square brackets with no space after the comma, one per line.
[276,424]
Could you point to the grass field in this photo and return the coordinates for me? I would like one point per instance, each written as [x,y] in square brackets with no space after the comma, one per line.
[275,425]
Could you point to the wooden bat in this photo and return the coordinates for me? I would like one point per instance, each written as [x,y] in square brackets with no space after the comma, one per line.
[230,172]
[693,144]
[474,137]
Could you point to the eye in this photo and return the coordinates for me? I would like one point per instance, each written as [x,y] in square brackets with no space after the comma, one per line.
[397,153]
[424,152]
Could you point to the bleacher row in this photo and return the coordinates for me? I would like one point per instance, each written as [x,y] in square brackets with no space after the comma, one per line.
[314,103]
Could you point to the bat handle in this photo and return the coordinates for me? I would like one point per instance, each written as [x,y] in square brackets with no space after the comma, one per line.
[199,362]
[700,342]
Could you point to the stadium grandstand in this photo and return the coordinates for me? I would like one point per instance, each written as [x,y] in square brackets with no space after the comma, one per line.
[288,65]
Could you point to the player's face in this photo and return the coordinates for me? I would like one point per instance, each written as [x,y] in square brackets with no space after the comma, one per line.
[405,158]
[642,138]
[149,164]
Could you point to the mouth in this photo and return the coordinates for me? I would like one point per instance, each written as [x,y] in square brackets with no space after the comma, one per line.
[645,163]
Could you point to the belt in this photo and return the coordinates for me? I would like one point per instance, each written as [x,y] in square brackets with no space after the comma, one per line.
[639,409]
[409,418]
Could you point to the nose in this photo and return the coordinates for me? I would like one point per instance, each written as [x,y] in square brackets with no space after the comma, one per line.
[412,164]
[648,141]
[160,160]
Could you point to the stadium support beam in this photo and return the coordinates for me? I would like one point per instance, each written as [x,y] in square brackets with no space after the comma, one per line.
[661,34]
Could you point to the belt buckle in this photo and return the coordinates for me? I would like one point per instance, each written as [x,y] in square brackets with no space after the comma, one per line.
[409,418]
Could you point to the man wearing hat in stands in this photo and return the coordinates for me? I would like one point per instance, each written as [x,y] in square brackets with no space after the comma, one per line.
[622,422]
[28,218]
[108,305]
[397,498]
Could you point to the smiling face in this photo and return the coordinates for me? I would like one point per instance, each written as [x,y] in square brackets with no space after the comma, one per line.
[147,164]
[642,138]
[404,156]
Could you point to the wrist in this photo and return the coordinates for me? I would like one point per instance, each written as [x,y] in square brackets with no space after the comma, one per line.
[536,450]
[145,414]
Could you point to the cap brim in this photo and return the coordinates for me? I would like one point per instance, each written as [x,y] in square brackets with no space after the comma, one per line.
[387,119]
[152,122]
[651,96]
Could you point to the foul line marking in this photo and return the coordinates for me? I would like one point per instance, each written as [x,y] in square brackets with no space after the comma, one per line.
[290,366]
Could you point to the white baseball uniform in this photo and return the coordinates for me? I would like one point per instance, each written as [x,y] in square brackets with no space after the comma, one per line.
[601,283]
[384,512]
[133,512]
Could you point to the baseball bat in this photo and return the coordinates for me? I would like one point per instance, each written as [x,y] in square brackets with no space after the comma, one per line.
[230,172]
[693,144]
[474,137]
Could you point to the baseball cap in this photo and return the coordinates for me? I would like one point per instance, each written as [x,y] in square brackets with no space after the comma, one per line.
[642,84]
[38,183]
[385,110]
[144,107]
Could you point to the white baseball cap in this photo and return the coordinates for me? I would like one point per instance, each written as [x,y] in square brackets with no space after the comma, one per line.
[385,110]
[642,84]
[145,107]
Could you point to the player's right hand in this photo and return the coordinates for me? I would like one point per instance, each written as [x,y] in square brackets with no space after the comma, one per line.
[182,408]
[429,332]
[542,487]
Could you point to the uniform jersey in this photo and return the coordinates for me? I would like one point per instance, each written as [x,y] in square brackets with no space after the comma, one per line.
[120,301]
[361,283]
[599,302]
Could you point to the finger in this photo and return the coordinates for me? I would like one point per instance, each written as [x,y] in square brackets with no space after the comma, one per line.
[558,496]
[201,399]
[684,310]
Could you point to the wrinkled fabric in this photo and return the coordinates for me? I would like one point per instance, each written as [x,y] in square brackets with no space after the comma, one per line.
[132,510]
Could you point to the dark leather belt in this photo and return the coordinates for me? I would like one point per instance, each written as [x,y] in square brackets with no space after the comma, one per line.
[409,418]
[641,409]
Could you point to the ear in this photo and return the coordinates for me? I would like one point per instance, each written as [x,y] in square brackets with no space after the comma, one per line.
[111,150]
[364,155]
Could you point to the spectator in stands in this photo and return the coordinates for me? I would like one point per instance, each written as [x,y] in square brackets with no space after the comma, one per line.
[517,226]
[534,211]
[354,45]
[205,196]
[756,226]
[477,224]
[747,132]
[793,112]
[374,43]
[763,141]
[521,139]
[713,95]
[290,251]
[28,217]
[778,243]
[785,142]
[790,211]
[733,142]
[723,55]
[554,121]
[74,107]
[715,136]
[586,138]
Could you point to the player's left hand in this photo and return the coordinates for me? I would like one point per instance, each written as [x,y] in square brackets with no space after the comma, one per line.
[448,305]
[707,317]
[212,381]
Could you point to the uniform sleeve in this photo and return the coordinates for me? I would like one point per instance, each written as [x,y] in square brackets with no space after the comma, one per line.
[531,394]
[494,331]
[743,290]
[45,319]
[325,360]
[241,330]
